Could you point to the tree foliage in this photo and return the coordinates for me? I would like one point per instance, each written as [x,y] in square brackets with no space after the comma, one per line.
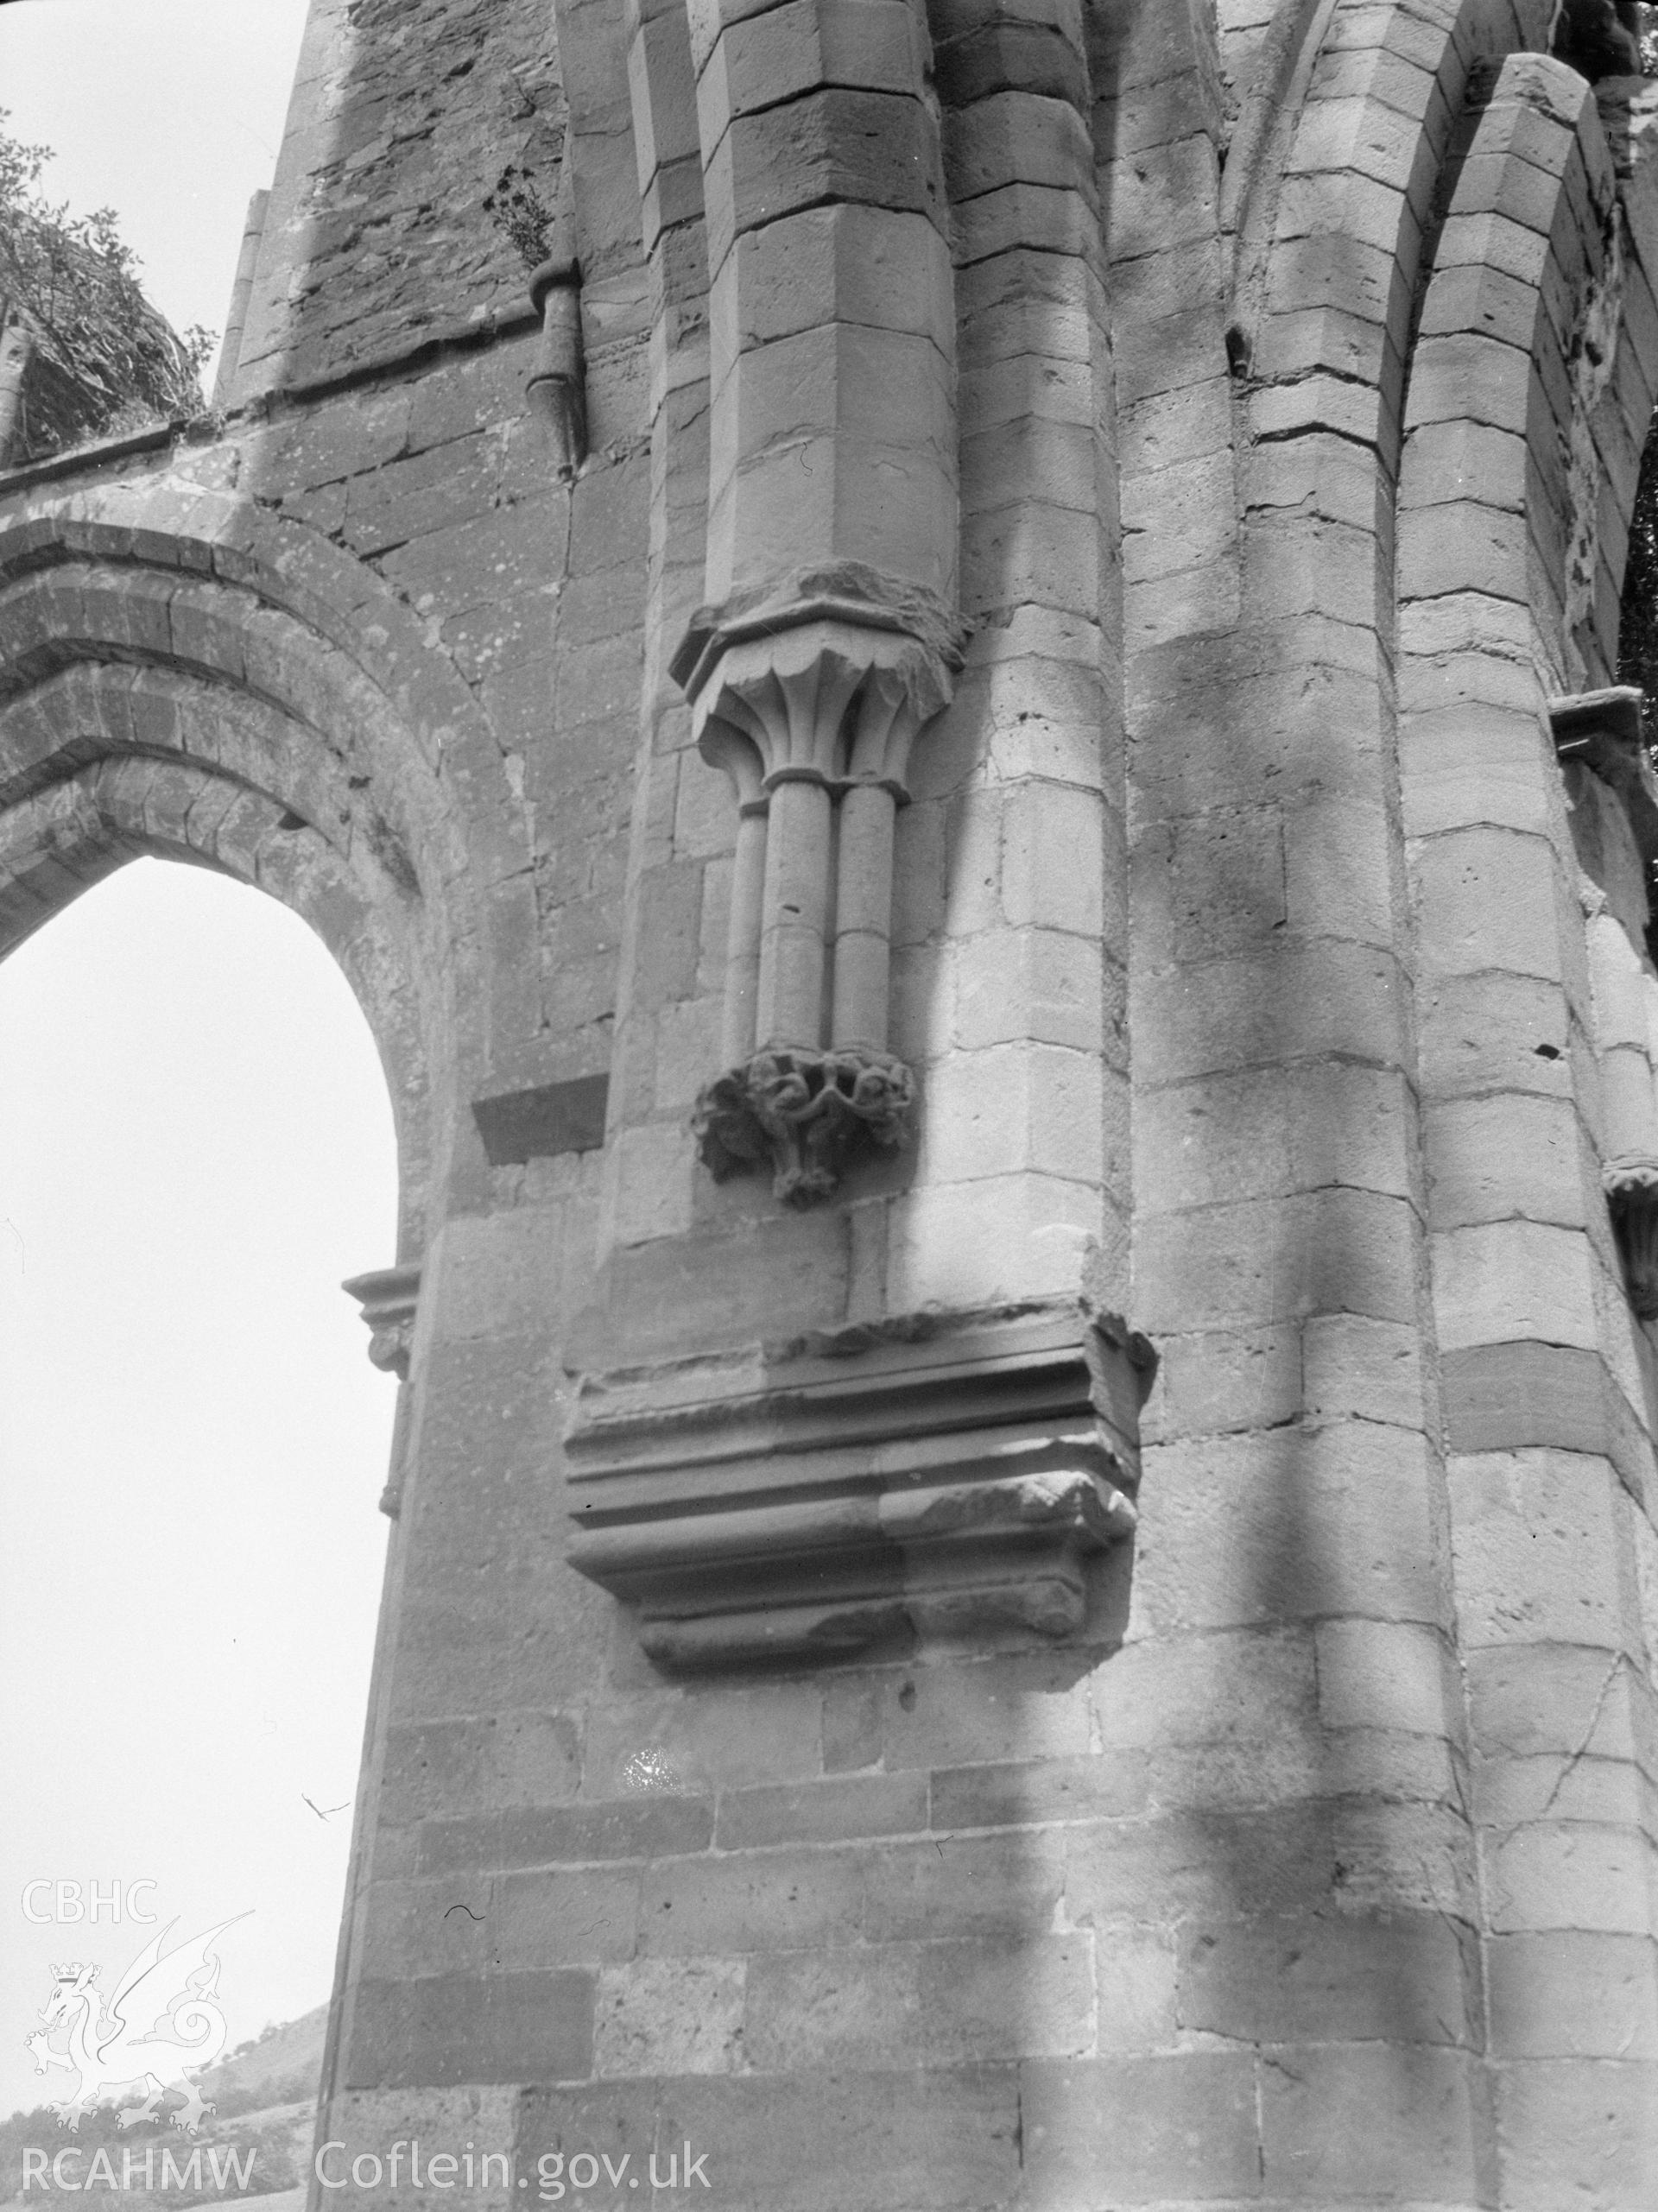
[100,359]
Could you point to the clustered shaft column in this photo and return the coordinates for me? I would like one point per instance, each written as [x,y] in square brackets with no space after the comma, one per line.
[813,720]
[831,634]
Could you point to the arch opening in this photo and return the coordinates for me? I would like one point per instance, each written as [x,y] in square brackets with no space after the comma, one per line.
[196,1145]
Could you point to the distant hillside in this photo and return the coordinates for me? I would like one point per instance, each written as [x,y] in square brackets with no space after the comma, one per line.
[264,2092]
[281,2066]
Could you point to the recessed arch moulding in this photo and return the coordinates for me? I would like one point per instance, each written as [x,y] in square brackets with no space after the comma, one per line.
[184,678]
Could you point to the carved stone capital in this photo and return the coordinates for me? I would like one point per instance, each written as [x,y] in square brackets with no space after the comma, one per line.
[935,1474]
[832,673]
[389,1298]
[807,1112]
[1632,1195]
[1601,729]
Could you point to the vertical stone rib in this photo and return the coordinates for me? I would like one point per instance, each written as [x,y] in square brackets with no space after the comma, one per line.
[796,905]
[830,571]
[863,918]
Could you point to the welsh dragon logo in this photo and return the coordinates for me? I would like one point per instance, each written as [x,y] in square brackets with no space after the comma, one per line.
[161,2028]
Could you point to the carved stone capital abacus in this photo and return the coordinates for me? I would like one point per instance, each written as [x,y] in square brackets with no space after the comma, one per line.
[811,701]
[389,1298]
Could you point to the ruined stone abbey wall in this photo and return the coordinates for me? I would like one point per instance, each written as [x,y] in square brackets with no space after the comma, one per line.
[1001,878]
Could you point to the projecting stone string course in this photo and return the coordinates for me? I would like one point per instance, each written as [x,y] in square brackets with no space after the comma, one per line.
[938,1473]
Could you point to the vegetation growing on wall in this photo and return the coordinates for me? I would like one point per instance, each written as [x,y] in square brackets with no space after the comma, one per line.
[83,354]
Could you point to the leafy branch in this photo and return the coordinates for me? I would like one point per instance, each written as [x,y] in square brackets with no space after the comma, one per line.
[101,359]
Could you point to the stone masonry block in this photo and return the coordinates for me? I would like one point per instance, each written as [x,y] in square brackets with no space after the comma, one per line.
[1003,1886]
[875,148]
[1474,767]
[1212,885]
[1558,2122]
[1285,1002]
[1022,1235]
[669,2016]
[746,1902]
[939,2139]
[1325,1978]
[1288,1525]
[1022,215]
[658,1826]
[559,1916]
[1030,1997]
[1051,859]
[1178,518]
[450,2028]
[1234,1683]
[809,2011]
[1043,984]
[1015,386]
[829,1810]
[1048,557]
[774,55]
[1339,874]
[893,382]
[1010,1707]
[1012,1108]
[1159,2127]
[1551,1876]
[1028,456]
[824,499]
[1135,1982]
[885,271]
[1463,546]
[1209,1381]
[1271,1132]
[1494,1033]
[1568,1995]
[1537,1549]
[1554,1703]
[1263,1260]
[690,1741]
[1387,1675]
[1359,1368]
[1370,2121]
[1016,137]
[1500,1282]
[1028,1792]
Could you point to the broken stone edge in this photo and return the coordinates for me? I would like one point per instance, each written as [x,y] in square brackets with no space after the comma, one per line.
[809,1501]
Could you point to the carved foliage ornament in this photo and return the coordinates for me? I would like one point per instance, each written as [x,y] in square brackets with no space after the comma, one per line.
[807,1114]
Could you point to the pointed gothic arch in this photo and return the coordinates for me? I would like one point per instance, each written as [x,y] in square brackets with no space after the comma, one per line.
[184,678]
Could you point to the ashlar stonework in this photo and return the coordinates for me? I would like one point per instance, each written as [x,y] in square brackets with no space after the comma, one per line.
[973,769]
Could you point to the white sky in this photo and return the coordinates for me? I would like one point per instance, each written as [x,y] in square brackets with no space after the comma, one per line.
[170,111]
[195,1147]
